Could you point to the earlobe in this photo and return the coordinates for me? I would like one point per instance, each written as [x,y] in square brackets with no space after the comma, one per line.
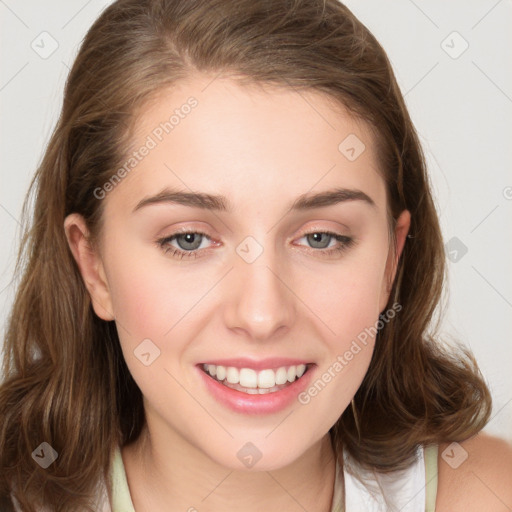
[90,265]
[402,227]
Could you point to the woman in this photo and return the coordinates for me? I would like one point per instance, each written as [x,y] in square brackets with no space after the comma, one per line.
[230,279]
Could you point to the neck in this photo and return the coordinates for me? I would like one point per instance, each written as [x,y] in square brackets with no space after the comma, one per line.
[174,476]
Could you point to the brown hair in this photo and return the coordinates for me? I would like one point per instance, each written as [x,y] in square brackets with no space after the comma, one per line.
[66,382]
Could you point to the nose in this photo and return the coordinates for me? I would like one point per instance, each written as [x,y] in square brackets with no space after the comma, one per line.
[261,301]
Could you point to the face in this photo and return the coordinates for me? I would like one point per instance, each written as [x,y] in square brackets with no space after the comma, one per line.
[276,275]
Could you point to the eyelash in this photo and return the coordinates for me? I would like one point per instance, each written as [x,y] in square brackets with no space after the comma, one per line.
[346,242]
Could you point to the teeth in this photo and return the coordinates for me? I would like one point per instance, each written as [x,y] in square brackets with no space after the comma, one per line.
[281,376]
[232,375]
[248,378]
[217,371]
[266,379]
[261,382]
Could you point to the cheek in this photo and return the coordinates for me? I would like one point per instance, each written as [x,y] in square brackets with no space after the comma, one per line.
[347,296]
[153,309]
[349,308]
[136,300]
[149,293]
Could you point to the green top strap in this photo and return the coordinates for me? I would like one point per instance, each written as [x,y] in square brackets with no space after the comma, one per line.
[431,452]
[121,500]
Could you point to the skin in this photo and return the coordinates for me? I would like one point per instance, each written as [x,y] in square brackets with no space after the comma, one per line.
[482,482]
[261,149]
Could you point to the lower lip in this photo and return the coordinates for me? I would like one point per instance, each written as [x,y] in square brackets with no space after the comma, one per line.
[268,403]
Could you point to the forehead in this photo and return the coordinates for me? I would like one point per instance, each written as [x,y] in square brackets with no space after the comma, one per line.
[250,143]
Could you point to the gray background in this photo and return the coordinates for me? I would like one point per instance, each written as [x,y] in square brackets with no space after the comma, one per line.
[460,100]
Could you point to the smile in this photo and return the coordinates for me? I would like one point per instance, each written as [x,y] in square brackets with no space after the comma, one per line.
[250,381]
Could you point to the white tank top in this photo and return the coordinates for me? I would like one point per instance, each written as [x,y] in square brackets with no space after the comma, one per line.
[412,489]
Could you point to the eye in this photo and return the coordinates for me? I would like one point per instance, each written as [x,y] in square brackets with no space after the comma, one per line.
[189,242]
[321,240]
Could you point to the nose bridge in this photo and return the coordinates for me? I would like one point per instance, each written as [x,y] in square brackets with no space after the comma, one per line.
[260,300]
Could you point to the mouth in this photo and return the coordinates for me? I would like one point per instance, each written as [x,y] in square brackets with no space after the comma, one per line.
[256,382]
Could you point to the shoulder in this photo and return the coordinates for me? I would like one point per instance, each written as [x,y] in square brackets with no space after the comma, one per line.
[475,474]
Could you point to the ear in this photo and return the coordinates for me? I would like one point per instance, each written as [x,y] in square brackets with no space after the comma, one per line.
[402,226]
[90,265]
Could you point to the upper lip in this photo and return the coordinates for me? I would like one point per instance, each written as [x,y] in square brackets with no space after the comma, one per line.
[261,364]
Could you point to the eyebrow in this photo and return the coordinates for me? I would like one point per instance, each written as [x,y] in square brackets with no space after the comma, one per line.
[220,203]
